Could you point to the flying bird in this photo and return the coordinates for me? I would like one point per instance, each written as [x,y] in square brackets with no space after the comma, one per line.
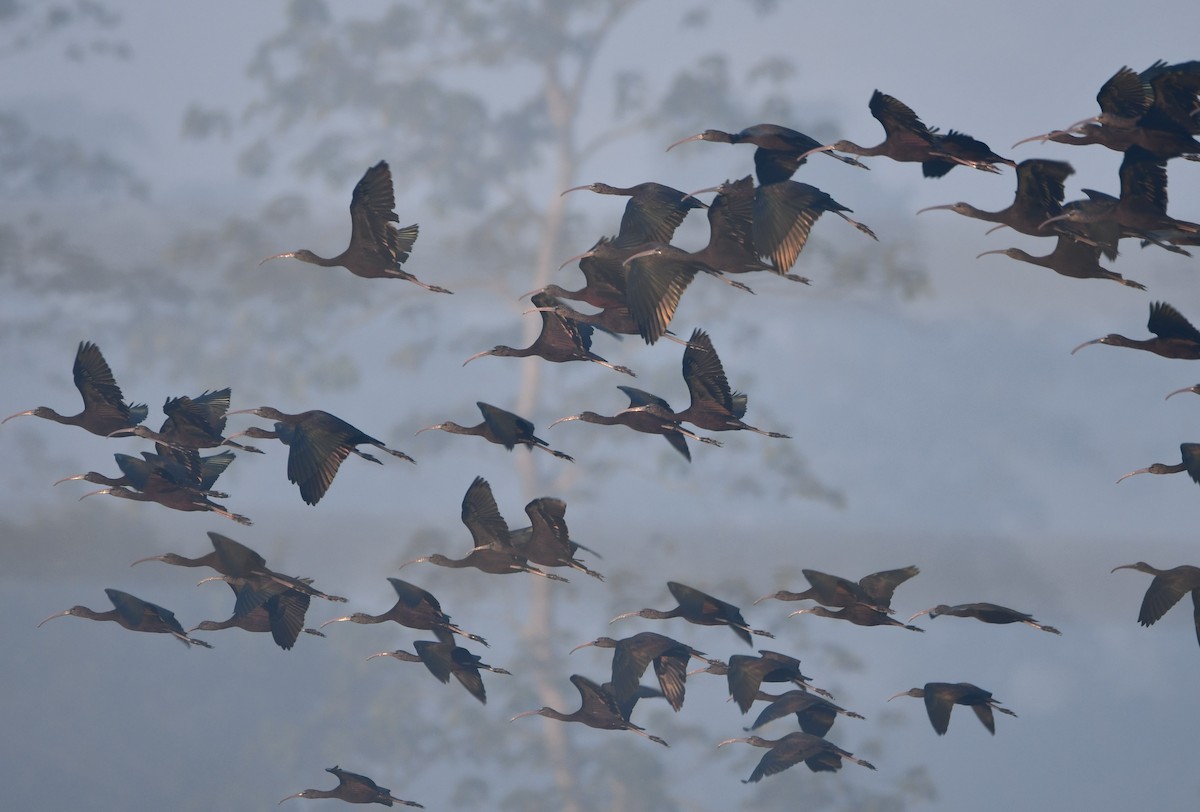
[354,788]
[445,658]
[987,612]
[1175,337]
[941,697]
[377,248]
[133,613]
[1166,590]
[820,755]
[502,428]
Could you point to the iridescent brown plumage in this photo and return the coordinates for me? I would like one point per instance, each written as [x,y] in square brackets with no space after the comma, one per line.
[355,789]
[941,697]
[1166,590]
[1175,337]
[135,614]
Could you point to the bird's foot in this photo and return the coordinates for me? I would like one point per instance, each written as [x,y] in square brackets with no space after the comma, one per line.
[711,441]
[762,633]
[314,632]
[657,740]
[803,280]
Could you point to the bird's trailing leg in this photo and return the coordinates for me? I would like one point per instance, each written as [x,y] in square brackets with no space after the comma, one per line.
[614,367]
[860,226]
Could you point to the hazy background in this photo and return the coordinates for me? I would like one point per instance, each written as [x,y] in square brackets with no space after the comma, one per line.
[152,155]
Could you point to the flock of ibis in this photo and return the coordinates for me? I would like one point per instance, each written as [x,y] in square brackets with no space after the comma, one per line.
[635,279]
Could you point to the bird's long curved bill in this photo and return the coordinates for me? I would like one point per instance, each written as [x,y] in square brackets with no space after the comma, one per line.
[376,654]
[1087,344]
[893,696]
[429,428]
[477,355]
[949,206]
[63,613]
[917,615]
[563,420]
[290,797]
[18,414]
[422,560]
[335,620]
[567,262]
[623,616]
[1042,137]
[1090,120]
[95,493]
[815,150]
[1123,567]
[285,255]
[638,255]
[993,251]
[525,713]
[696,137]
[147,558]
[1050,220]
[575,189]
[581,645]
[1133,473]
[799,612]
[1195,388]
[731,741]
[84,476]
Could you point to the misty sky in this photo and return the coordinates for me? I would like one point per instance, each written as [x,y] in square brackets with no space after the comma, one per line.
[955,428]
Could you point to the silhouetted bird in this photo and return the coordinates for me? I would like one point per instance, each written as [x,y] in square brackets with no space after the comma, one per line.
[648,414]
[815,714]
[165,483]
[821,755]
[377,248]
[502,428]
[652,214]
[1167,588]
[714,405]
[444,658]
[780,150]
[191,423]
[908,139]
[317,444]
[598,709]
[1190,463]
[199,473]
[560,340]
[859,614]
[416,609]
[603,273]
[874,590]
[1176,337]
[1069,258]
[1038,198]
[239,563]
[1154,110]
[281,614]
[104,407]
[134,614]
[547,541]
[633,655]
[746,674]
[941,697]
[987,612]
[702,609]
[354,788]
[784,215]
[492,552]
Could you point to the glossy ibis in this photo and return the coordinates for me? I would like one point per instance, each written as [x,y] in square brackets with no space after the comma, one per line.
[1141,210]
[1039,197]
[784,214]
[547,541]
[104,407]
[598,708]
[163,487]
[648,414]
[633,655]
[502,428]
[874,590]
[815,714]
[199,473]
[191,423]
[1175,335]
[444,658]
[746,674]
[416,609]
[941,697]
[134,614]
[909,140]
[377,248]
[780,150]
[603,273]
[1167,588]
[859,614]
[652,214]
[656,279]
[281,614]
[987,612]
[317,444]
[714,405]
[1190,463]
[1071,258]
[492,552]
[821,755]
[1153,109]
[701,609]
[354,788]
[560,340]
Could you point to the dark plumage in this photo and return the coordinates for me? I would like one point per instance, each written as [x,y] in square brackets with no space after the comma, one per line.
[1175,335]
[502,428]
[135,614]
[941,697]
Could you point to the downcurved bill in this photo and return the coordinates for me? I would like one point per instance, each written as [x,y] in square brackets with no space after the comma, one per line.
[18,414]
[949,206]
[1088,343]
[285,255]
[1132,473]
[63,613]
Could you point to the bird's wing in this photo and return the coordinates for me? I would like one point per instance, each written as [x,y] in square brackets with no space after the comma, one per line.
[1040,184]
[671,669]
[509,428]
[314,457]
[482,517]
[776,760]
[880,586]
[1167,322]
[640,398]
[286,613]
[898,119]
[1191,459]
[784,214]
[413,596]
[703,372]
[436,657]
[652,215]
[372,210]
[938,705]
[98,388]
[236,558]
[984,712]
[1164,592]
[1144,177]
[653,293]
[1125,94]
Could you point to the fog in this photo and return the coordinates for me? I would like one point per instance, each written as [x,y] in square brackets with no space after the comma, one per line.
[937,415]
